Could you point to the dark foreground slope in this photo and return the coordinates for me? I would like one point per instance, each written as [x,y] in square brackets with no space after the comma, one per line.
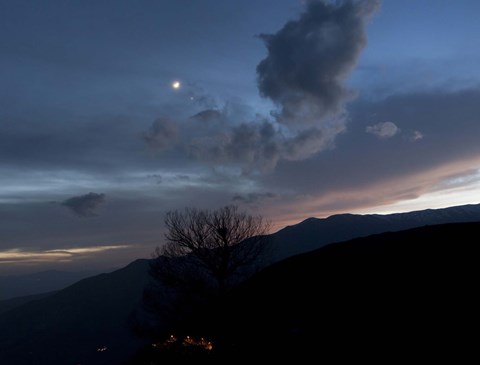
[70,326]
[406,295]
[395,292]
[343,289]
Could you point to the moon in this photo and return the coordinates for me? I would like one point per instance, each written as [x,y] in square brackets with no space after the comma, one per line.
[176,85]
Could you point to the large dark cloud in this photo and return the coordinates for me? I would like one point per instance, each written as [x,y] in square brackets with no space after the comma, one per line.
[309,59]
[85,205]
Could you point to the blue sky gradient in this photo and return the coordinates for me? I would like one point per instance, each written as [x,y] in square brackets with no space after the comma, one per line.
[95,144]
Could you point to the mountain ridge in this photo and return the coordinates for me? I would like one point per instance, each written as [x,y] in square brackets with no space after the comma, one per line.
[313,233]
[95,312]
[307,235]
[14,286]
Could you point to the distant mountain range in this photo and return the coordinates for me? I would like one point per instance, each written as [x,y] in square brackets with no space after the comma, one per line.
[308,235]
[314,233]
[73,325]
[13,286]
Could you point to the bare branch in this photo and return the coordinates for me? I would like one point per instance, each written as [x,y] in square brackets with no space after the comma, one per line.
[223,242]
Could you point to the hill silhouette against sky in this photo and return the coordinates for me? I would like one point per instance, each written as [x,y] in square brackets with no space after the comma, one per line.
[384,282]
[313,233]
[386,296]
[69,326]
[37,283]
[308,235]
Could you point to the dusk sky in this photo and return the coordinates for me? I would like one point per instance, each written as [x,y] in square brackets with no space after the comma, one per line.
[114,112]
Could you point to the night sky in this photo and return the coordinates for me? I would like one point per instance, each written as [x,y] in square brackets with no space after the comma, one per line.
[115,112]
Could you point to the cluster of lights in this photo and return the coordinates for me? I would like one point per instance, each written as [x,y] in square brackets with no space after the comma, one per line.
[101,349]
[186,342]
[203,343]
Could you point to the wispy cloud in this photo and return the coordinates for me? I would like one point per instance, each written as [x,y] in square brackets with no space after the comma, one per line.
[19,255]
[416,136]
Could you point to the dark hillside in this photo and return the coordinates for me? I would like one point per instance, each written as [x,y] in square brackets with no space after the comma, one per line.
[69,327]
[402,292]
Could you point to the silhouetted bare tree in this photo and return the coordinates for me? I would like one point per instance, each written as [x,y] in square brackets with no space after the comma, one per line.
[220,243]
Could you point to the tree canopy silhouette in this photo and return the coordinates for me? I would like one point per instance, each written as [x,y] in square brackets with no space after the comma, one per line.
[220,243]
